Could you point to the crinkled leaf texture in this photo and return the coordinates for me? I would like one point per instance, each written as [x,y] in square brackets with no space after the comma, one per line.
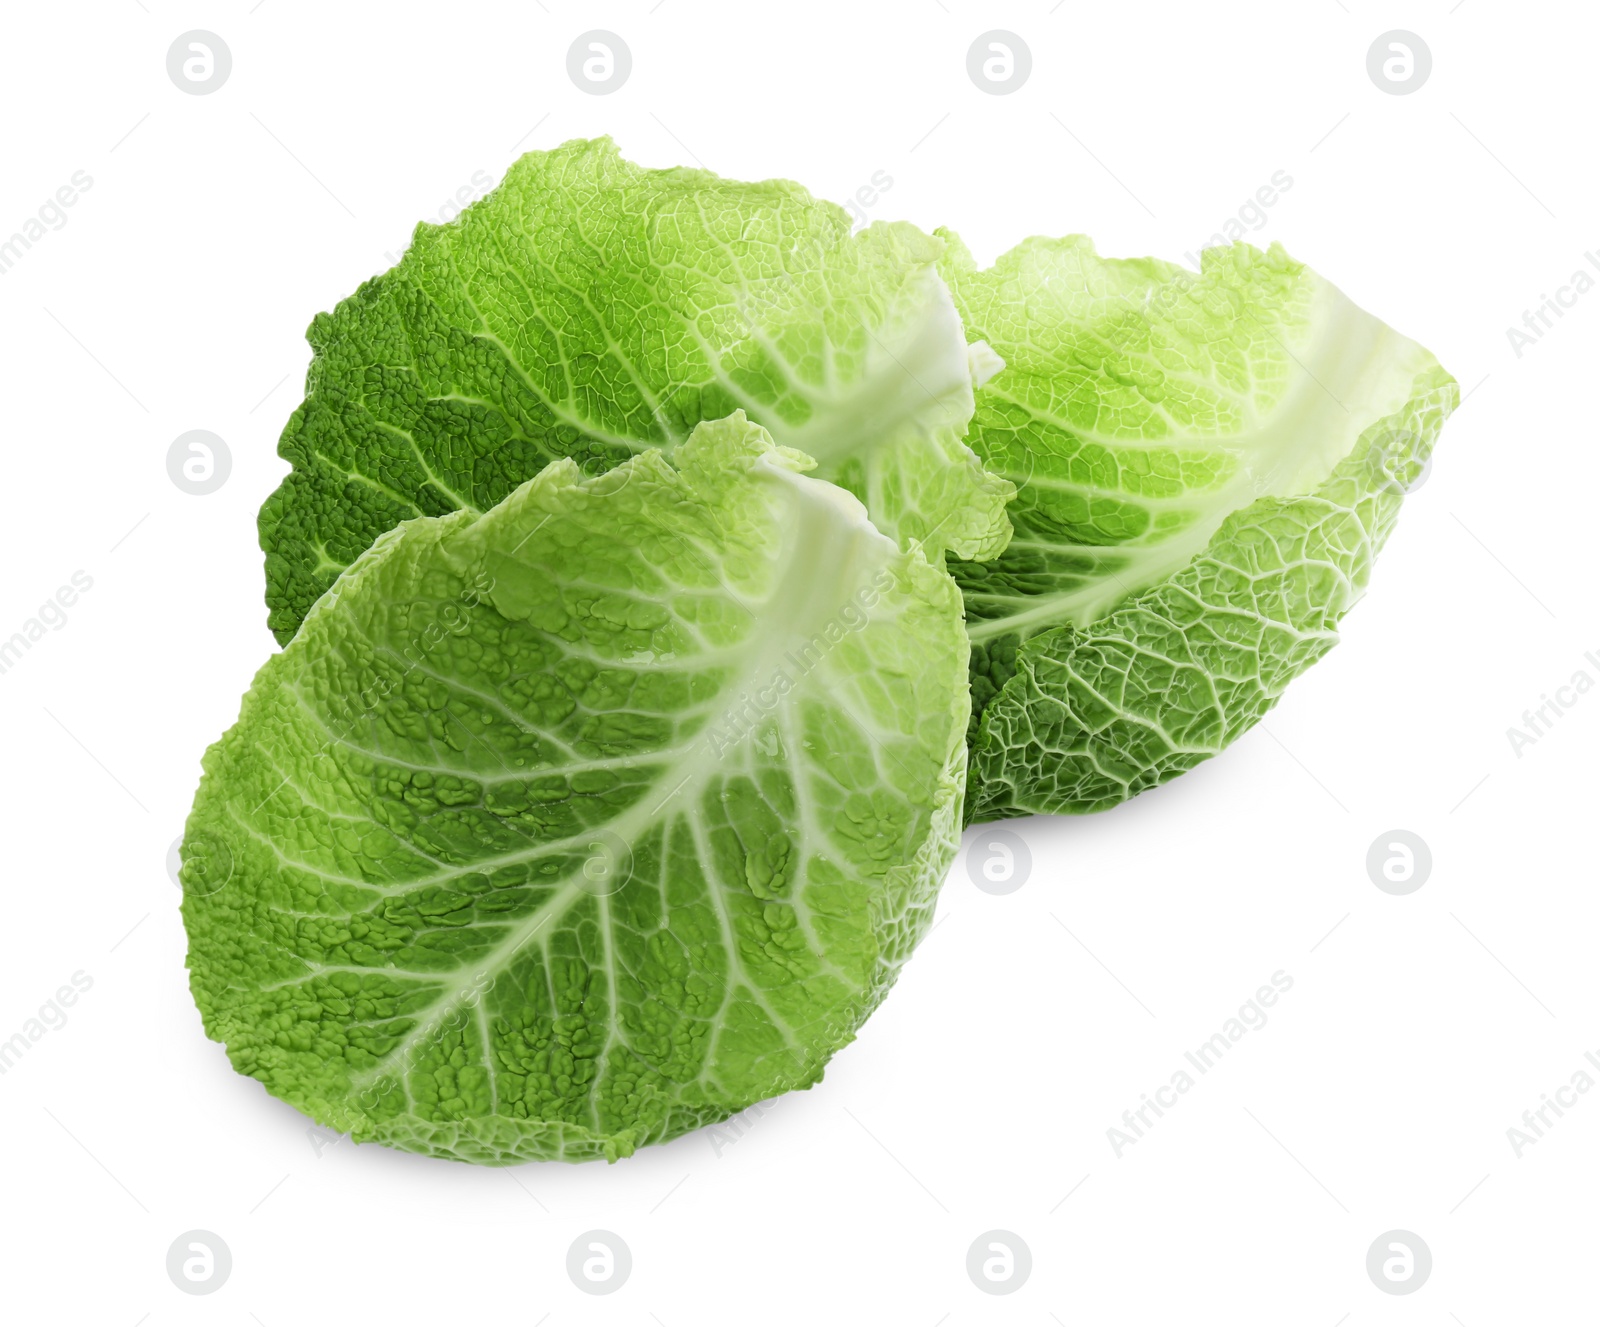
[571,826]
[1207,465]
[589,309]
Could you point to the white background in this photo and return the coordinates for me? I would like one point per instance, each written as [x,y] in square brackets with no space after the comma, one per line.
[1418,1028]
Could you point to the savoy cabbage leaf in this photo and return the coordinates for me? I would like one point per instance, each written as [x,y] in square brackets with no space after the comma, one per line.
[1207,465]
[569,826]
[588,308]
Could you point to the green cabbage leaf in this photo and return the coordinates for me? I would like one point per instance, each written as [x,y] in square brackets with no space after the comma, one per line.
[590,309]
[571,825]
[1207,465]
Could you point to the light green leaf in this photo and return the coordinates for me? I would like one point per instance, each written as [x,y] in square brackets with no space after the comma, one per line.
[1207,465]
[572,826]
[589,309]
